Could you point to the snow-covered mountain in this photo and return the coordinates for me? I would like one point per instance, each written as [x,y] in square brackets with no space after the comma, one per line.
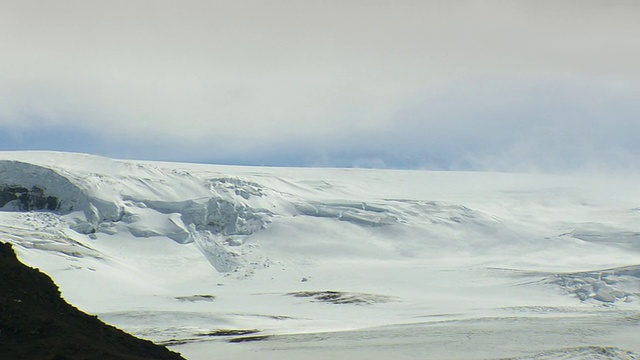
[343,263]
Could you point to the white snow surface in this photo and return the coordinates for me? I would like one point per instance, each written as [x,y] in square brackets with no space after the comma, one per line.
[231,262]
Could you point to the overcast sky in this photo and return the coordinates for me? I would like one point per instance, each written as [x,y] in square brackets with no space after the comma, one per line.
[478,85]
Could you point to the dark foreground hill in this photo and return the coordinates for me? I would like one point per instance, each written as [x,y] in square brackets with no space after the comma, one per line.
[36,323]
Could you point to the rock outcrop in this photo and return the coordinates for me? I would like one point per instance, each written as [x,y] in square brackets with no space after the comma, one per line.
[36,323]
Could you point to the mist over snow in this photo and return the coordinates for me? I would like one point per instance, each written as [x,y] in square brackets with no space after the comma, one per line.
[517,86]
[310,263]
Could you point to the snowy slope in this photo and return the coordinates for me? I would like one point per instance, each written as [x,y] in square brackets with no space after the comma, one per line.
[307,263]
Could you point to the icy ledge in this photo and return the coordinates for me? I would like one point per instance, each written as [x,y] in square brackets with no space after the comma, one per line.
[215,215]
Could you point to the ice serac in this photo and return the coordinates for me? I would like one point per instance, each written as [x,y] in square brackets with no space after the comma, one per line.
[29,187]
[141,199]
[218,225]
[25,187]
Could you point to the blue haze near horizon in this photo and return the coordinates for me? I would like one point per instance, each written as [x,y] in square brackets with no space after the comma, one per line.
[74,140]
[490,86]
[551,130]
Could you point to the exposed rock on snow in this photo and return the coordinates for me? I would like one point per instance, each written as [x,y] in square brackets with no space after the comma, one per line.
[229,332]
[31,187]
[194,298]
[252,338]
[24,199]
[340,297]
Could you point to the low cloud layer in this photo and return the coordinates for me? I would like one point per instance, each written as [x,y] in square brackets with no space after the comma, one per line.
[520,86]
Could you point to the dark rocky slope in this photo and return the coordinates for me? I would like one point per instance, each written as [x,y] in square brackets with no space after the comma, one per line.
[36,323]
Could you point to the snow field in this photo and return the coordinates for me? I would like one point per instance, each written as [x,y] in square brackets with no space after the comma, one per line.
[312,263]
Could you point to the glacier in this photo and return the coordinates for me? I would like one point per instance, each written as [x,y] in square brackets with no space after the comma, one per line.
[349,263]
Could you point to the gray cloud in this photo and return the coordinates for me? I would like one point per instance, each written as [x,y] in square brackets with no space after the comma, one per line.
[374,83]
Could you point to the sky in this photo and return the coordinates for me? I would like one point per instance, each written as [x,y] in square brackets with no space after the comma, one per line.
[534,86]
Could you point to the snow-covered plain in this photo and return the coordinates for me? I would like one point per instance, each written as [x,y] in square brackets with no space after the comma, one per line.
[223,262]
